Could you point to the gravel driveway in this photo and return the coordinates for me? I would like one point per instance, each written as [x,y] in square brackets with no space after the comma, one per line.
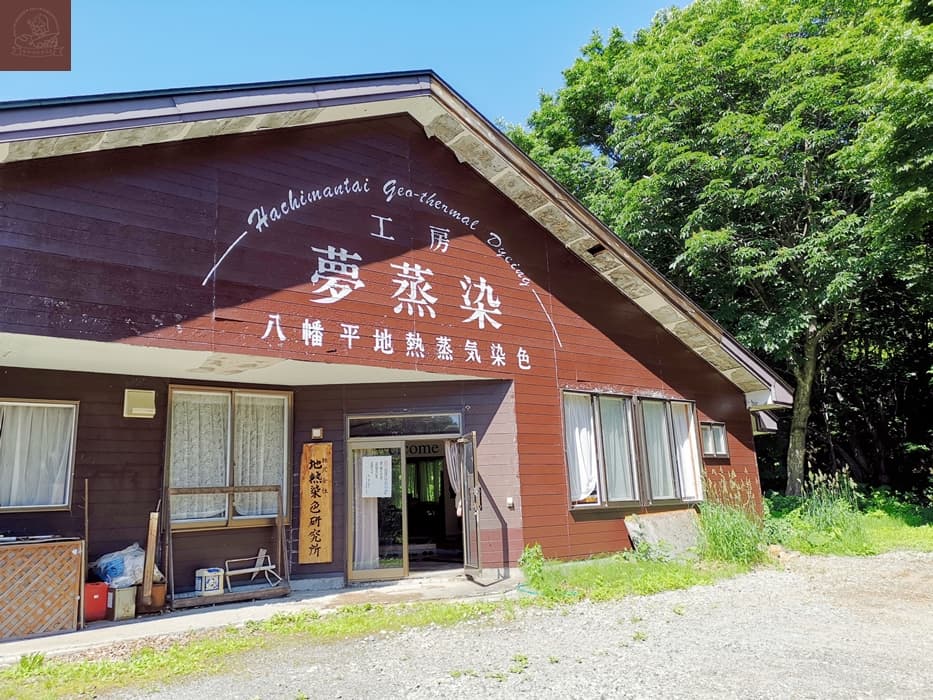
[815,627]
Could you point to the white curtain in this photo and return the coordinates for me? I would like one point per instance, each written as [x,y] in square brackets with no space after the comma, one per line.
[709,440]
[658,448]
[35,454]
[617,448]
[580,437]
[365,518]
[720,432]
[452,454]
[198,456]
[259,451]
[685,448]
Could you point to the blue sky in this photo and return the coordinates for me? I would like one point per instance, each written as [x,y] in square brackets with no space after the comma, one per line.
[498,55]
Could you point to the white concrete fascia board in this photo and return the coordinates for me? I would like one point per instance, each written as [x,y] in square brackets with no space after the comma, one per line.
[779,394]
[68,354]
[761,400]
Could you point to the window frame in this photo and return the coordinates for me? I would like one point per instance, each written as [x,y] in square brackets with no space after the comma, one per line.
[708,425]
[602,499]
[348,428]
[640,467]
[72,452]
[231,520]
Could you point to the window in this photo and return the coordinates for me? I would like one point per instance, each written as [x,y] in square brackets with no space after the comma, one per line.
[37,448]
[601,462]
[228,438]
[610,463]
[392,426]
[714,439]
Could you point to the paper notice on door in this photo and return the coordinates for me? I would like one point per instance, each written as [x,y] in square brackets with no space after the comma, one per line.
[377,477]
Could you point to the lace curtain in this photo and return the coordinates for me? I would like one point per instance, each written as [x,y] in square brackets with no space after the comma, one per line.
[35,454]
[259,451]
[198,455]
[200,445]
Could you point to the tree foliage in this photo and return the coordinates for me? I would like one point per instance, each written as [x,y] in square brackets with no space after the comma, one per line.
[773,159]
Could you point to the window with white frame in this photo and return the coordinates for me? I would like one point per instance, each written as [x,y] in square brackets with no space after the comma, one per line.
[611,462]
[37,449]
[713,437]
[220,438]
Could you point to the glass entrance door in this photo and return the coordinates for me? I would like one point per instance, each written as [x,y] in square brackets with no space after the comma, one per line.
[378,511]
[472,503]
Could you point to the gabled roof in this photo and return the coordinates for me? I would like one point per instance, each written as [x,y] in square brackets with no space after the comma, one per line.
[45,128]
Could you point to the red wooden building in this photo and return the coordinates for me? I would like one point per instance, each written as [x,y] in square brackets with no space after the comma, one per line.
[198,283]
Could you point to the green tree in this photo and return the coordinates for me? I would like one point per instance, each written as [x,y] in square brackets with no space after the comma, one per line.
[741,146]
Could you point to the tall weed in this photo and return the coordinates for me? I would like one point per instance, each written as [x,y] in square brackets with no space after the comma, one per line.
[730,528]
[531,562]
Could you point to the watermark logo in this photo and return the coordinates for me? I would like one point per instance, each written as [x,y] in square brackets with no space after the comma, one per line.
[37,37]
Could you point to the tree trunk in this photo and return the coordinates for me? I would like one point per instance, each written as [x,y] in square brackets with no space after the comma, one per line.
[796,448]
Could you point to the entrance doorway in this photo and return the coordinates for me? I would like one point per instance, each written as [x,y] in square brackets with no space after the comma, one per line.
[435,528]
[378,541]
[414,506]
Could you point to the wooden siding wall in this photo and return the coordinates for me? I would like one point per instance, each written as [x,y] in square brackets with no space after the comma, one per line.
[628,356]
[113,246]
[201,549]
[122,460]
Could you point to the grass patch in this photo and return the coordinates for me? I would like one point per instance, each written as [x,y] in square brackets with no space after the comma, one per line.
[360,620]
[897,521]
[887,533]
[615,576]
[832,517]
[37,677]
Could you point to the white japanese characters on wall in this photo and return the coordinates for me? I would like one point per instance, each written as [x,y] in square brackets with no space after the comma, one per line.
[413,293]
[335,274]
[338,270]
[413,344]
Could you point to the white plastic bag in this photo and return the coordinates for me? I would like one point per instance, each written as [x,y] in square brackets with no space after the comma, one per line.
[122,569]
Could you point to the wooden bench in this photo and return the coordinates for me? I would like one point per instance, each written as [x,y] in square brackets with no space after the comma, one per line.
[260,564]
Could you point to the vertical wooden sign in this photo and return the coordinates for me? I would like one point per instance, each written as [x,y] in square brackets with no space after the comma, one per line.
[316,519]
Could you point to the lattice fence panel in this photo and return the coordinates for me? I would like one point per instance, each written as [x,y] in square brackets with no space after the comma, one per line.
[39,587]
